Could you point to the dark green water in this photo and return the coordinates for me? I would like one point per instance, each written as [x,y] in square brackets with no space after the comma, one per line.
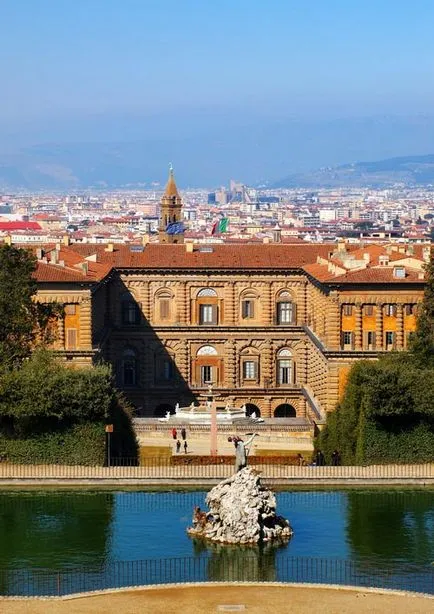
[71,531]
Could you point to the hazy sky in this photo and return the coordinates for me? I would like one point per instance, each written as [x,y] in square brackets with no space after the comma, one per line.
[103,70]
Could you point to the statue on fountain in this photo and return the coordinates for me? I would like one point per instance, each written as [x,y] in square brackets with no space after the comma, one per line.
[241,450]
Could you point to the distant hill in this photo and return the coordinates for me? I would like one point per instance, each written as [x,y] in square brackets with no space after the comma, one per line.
[409,170]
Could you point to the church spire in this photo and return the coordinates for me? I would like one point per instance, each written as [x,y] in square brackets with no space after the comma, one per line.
[171,226]
[171,189]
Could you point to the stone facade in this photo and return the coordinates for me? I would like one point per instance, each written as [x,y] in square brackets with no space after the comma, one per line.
[273,326]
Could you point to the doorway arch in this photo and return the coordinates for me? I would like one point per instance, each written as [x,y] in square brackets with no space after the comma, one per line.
[285,410]
[252,408]
[161,410]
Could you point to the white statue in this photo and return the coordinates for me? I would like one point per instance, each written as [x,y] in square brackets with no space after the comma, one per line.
[176,408]
[192,406]
[244,408]
[228,407]
[167,415]
[253,415]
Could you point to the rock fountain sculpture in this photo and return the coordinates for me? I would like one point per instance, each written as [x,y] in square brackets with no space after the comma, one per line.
[241,511]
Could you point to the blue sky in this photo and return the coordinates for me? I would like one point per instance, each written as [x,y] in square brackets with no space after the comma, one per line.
[102,70]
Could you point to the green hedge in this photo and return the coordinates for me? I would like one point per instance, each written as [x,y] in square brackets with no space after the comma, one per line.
[80,444]
[385,416]
[53,414]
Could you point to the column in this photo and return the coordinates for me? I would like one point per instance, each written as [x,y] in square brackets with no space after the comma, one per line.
[229,304]
[379,326]
[267,364]
[267,304]
[85,336]
[146,301]
[358,328]
[183,292]
[230,364]
[182,361]
[333,323]
[399,326]
[61,332]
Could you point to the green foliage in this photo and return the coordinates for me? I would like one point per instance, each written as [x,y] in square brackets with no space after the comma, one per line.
[386,415]
[422,342]
[51,413]
[24,322]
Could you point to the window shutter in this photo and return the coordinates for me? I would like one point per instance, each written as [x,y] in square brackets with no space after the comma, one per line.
[252,308]
[294,314]
[71,339]
[352,341]
[214,314]
[374,340]
[164,308]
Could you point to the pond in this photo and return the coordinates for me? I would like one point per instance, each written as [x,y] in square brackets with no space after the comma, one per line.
[58,541]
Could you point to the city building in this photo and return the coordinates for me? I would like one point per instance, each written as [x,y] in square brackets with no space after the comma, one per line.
[272,325]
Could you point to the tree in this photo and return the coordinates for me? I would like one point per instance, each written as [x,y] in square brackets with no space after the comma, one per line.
[24,322]
[422,342]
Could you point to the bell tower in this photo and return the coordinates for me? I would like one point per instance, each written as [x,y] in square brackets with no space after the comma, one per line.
[171,226]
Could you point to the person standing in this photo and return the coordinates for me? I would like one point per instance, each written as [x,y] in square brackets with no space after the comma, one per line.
[183,434]
[174,433]
[178,446]
[185,447]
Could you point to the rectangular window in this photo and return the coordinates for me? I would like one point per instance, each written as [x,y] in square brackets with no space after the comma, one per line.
[164,308]
[370,340]
[70,310]
[284,312]
[284,372]
[206,374]
[167,370]
[368,310]
[390,340]
[348,310]
[249,369]
[71,338]
[248,309]
[390,310]
[130,313]
[410,310]
[208,314]
[347,340]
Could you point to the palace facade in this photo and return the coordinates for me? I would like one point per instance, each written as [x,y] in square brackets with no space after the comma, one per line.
[274,326]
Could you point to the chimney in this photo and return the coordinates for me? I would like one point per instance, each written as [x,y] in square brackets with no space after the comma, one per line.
[8,240]
[54,256]
[189,247]
[65,240]
[84,267]
[110,247]
[266,240]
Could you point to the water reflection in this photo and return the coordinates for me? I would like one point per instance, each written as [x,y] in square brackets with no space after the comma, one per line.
[391,526]
[54,530]
[229,563]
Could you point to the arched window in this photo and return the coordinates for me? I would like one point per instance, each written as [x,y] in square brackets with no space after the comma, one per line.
[285,367]
[130,309]
[286,311]
[251,408]
[207,350]
[129,368]
[206,292]
[285,411]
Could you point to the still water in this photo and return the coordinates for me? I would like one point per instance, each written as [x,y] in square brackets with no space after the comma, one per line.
[75,530]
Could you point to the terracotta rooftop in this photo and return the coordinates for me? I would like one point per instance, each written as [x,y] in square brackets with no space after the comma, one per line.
[208,256]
